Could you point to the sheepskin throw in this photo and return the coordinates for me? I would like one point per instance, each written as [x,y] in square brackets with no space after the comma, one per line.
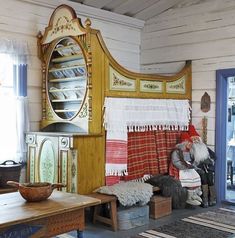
[129,193]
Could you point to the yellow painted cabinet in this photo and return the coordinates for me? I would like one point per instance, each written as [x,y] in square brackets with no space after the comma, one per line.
[78,72]
[51,158]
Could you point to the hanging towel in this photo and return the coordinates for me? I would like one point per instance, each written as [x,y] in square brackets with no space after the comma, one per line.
[116,153]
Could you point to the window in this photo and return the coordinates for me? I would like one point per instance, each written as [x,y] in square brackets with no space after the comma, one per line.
[13,107]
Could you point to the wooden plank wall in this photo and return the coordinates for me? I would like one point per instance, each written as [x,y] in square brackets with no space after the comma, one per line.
[201,31]
[22,19]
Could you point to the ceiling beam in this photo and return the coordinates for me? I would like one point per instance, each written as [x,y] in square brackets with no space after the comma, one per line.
[97,4]
[113,4]
[156,9]
[137,7]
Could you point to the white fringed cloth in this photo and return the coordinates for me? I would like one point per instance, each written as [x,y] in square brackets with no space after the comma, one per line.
[123,115]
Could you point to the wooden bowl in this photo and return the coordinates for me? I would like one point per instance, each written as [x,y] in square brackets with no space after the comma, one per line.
[35,192]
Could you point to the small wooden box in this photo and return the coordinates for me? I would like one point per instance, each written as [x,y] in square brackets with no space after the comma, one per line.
[160,206]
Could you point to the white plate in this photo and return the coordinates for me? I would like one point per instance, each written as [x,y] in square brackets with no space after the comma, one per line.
[68,42]
[58,74]
[79,92]
[69,114]
[76,49]
[80,71]
[59,45]
[69,94]
[56,94]
[65,51]
[69,73]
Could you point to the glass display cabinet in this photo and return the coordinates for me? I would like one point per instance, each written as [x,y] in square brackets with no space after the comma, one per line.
[66,78]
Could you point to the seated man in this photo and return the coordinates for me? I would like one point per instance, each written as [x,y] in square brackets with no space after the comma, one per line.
[181,167]
[204,165]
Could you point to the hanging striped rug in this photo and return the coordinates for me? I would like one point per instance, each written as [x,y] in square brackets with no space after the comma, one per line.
[219,223]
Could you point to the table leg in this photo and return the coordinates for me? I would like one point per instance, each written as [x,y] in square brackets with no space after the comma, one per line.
[79,234]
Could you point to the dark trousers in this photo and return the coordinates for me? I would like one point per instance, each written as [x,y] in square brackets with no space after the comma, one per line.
[207,177]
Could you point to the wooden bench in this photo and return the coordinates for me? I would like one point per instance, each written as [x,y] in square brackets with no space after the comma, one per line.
[156,189]
[110,200]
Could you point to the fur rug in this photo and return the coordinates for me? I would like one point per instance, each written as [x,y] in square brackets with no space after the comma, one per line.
[170,187]
[129,193]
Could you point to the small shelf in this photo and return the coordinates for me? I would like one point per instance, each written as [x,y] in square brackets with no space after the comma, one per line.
[65,110]
[63,80]
[64,89]
[65,47]
[67,100]
[70,67]
[67,58]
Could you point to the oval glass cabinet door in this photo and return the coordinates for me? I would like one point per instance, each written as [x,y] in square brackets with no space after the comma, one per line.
[66,78]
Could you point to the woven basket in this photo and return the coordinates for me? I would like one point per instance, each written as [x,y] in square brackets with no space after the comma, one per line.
[9,170]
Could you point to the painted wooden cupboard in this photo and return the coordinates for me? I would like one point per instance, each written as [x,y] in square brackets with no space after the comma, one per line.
[78,72]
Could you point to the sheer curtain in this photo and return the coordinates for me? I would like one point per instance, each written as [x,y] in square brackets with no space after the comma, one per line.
[14,120]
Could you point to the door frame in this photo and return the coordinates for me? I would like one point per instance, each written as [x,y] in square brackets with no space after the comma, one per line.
[221,131]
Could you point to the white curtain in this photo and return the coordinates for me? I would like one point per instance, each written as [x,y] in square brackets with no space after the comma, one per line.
[18,50]
[22,126]
[14,121]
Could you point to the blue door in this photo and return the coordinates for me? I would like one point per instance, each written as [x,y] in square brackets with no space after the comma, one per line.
[225,134]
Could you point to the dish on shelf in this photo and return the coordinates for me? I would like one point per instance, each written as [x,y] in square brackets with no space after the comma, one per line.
[68,42]
[79,92]
[59,46]
[69,114]
[58,74]
[76,49]
[65,51]
[56,94]
[69,93]
[70,61]
[69,73]
[80,71]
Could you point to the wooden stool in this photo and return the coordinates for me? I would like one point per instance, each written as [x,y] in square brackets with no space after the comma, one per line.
[111,201]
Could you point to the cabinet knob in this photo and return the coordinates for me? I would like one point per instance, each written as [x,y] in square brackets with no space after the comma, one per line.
[64,142]
[30,139]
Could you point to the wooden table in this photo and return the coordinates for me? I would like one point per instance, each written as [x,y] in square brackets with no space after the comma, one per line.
[8,190]
[62,212]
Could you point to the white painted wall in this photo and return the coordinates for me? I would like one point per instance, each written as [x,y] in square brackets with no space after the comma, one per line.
[23,19]
[201,31]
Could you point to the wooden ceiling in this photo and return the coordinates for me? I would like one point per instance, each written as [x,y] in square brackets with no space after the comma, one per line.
[140,9]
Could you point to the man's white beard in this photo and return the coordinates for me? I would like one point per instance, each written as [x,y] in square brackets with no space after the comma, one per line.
[200,152]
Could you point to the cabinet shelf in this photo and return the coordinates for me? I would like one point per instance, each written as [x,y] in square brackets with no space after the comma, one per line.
[67,100]
[67,58]
[65,68]
[65,110]
[65,89]
[63,80]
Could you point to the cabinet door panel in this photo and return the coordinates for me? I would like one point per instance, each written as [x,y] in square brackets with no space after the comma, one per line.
[31,162]
[48,160]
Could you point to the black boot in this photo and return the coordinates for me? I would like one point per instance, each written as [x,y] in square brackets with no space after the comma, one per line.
[205,195]
[212,195]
